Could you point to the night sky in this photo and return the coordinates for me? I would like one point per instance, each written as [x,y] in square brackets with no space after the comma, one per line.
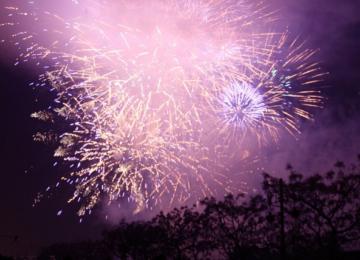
[332,26]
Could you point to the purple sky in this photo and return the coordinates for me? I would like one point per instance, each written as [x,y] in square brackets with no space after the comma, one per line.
[333,26]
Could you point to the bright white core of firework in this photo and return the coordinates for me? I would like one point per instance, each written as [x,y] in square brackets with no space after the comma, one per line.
[242,105]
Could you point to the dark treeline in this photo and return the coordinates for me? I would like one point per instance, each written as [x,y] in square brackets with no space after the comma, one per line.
[317,217]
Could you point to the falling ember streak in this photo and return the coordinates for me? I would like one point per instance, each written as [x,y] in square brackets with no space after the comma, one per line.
[143,90]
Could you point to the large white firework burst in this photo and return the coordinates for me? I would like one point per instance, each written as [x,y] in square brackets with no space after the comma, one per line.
[142,84]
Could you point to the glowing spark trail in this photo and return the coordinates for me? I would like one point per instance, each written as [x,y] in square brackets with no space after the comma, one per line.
[144,85]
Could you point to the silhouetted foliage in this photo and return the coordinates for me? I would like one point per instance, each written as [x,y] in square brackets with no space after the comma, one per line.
[137,240]
[316,217]
[78,251]
[322,212]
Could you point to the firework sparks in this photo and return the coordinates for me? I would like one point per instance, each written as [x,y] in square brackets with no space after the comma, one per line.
[142,88]
[241,108]
[264,103]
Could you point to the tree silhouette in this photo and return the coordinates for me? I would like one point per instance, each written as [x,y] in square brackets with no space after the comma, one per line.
[137,240]
[235,225]
[322,212]
[184,233]
[79,251]
[316,217]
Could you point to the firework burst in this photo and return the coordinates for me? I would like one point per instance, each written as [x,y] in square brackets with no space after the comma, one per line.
[277,97]
[241,108]
[143,87]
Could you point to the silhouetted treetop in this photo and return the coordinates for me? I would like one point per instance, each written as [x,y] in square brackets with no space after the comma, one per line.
[304,217]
